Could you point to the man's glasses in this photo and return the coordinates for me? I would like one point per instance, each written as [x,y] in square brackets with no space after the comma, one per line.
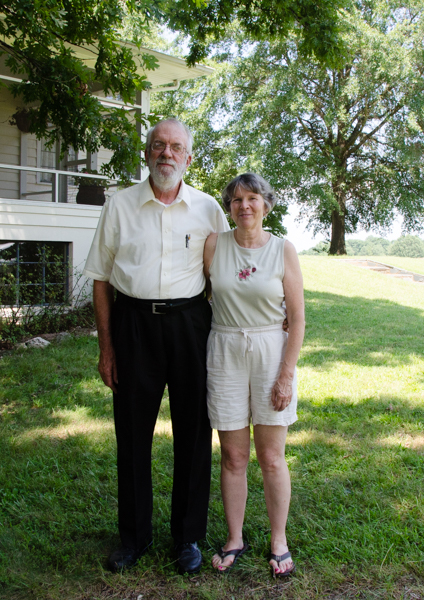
[175,148]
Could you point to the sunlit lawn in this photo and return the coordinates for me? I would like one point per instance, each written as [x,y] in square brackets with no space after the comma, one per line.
[356,457]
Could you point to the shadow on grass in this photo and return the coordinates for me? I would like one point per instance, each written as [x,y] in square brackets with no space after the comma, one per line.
[360,331]
[357,500]
[40,388]
[357,488]
[357,484]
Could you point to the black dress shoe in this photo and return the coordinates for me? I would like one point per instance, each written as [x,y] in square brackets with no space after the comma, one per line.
[125,558]
[189,557]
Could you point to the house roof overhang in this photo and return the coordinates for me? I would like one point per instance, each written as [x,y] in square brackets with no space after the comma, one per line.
[170,70]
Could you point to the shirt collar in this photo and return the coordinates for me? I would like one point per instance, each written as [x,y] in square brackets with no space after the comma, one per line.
[147,194]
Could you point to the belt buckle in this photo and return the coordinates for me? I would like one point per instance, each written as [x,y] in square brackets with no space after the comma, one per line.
[154,305]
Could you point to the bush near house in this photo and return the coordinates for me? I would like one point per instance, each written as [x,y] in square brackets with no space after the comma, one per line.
[39,293]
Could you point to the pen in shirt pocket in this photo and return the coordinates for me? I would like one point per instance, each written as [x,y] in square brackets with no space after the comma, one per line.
[187,240]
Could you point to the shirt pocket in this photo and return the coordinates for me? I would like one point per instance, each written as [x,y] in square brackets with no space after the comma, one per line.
[193,250]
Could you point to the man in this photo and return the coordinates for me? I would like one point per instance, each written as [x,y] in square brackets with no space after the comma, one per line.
[149,247]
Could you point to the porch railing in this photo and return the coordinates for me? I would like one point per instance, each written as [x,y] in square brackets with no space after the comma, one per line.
[56,174]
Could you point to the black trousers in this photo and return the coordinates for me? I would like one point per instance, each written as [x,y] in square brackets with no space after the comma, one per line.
[154,350]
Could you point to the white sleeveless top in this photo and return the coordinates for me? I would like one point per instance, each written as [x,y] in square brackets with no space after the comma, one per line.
[247,283]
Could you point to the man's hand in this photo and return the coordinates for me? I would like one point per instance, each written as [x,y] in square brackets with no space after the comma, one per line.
[281,394]
[103,302]
[108,371]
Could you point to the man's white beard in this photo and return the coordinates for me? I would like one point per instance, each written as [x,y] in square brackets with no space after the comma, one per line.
[166,182]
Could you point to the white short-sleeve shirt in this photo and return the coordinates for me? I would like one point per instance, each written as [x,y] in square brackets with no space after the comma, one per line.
[147,249]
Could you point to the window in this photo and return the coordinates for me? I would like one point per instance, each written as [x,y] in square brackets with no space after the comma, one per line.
[46,159]
[33,273]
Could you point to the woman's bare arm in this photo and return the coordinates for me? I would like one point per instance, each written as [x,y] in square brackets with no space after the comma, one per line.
[293,290]
[208,254]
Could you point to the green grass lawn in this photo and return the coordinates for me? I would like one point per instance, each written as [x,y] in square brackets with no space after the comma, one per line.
[356,456]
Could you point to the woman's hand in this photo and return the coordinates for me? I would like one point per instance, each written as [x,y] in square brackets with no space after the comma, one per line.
[281,394]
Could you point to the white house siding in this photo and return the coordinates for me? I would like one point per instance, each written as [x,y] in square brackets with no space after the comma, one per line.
[10,146]
[28,220]
[18,149]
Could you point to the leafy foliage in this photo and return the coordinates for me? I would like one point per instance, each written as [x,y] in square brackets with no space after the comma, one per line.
[407,246]
[203,107]
[40,39]
[344,142]
[317,23]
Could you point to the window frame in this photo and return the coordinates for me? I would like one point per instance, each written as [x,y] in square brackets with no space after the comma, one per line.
[44,282]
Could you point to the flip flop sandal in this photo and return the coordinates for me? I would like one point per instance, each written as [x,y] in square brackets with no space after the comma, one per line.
[236,553]
[279,558]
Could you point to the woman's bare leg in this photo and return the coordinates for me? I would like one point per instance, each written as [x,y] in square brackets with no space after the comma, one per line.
[235,452]
[270,441]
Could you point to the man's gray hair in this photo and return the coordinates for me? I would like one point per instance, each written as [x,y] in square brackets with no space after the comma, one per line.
[175,122]
[252,182]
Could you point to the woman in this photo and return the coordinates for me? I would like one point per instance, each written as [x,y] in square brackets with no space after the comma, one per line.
[251,360]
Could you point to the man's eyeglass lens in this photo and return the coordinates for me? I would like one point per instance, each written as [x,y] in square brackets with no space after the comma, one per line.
[175,148]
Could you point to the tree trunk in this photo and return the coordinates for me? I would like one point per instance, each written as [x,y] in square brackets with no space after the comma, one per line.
[337,245]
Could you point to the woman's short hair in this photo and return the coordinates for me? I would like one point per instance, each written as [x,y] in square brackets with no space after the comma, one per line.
[254,183]
[175,122]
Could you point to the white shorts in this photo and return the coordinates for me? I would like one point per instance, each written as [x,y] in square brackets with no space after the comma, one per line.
[243,366]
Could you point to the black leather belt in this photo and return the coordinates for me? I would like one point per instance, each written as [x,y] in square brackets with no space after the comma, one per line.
[162,307]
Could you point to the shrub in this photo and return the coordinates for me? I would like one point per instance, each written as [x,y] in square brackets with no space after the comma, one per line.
[408,245]
[75,309]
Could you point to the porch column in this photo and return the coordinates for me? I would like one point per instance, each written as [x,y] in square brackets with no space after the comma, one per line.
[24,163]
[143,100]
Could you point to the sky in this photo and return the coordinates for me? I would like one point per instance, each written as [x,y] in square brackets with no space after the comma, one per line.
[303,240]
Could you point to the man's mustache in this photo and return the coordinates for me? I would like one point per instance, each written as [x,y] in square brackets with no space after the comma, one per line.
[170,162]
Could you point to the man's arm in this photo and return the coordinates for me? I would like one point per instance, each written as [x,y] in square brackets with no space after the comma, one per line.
[103,302]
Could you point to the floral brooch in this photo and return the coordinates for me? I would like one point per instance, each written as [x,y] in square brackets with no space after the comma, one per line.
[243,274]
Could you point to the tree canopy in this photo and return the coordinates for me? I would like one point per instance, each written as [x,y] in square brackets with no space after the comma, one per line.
[344,142]
[410,246]
[40,39]
[317,23]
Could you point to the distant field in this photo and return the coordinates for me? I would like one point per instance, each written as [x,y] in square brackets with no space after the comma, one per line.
[416,265]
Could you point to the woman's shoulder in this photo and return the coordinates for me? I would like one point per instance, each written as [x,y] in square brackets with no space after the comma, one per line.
[221,237]
[227,234]
[277,239]
[278,244]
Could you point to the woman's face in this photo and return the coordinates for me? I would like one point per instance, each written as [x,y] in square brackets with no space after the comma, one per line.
[247,208]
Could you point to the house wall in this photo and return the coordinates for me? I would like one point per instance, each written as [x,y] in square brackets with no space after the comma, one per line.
[23,149]
[17,149]
[26,217]
[10,146]
[52,222]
